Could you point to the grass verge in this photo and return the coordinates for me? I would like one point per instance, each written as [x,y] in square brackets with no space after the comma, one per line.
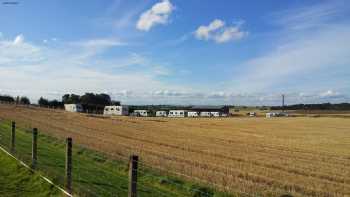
[16,180]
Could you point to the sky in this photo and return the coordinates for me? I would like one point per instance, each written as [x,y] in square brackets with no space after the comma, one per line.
[177,52]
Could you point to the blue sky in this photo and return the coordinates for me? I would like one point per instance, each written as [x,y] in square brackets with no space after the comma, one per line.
[178,52]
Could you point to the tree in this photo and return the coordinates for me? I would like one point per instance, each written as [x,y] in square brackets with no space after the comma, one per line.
[95,102]
[55,104]
[6,98]
[17,100]
[24,100]
[43,102]
[71,99]
[115,103]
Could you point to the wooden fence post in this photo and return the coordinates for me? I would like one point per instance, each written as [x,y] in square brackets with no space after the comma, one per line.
[69,165]
[133,175]
[34,148]
[13,137]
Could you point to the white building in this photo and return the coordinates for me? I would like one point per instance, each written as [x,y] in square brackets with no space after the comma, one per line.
[161,114]
[73,107]
[192,114]
[116,110]
[205,114]
[176,113]
[215,114]
[142,112]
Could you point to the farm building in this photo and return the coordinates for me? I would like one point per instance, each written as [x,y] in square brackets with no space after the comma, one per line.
[192,114]
[161,114]
[73,107]
[177,113]
[116,110]
[141,112]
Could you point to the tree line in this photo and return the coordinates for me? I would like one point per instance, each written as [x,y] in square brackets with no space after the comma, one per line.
[323,106]
[91,102]
[18,100]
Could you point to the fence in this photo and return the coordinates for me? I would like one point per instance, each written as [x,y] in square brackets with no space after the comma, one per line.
[85,172]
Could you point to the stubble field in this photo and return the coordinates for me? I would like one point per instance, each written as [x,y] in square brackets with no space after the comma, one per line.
[302,156]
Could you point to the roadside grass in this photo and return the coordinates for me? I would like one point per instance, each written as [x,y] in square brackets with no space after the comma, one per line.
[94,173]
[16,180]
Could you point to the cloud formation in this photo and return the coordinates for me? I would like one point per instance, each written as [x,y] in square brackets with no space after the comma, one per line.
[18,40]
[219,32]
[158,14]
[75,67]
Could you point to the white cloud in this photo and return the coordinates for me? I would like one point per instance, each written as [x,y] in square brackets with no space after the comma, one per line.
[42,70]
[330,94]
[204,32]
[219,32]
[309,17]
[14,52]
[158,14]
[100,43]
[19,39]
[320,55]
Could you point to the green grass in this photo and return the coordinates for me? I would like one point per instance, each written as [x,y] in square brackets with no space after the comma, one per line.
[94,174]
[16,180]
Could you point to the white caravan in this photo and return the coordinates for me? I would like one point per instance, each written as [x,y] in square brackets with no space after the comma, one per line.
[161,114]
[192,114]
[215,114]
[73,107]
[205,114]
[177,113]
[116,110]
[142,112]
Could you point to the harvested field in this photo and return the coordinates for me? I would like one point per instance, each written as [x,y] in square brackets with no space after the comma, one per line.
[256,156]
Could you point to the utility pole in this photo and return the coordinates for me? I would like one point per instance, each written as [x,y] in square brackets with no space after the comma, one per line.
[282,102]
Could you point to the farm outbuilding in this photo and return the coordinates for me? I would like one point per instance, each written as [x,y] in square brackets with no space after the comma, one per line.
[73,107]
[177,113]
[161,114]
[116,110]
